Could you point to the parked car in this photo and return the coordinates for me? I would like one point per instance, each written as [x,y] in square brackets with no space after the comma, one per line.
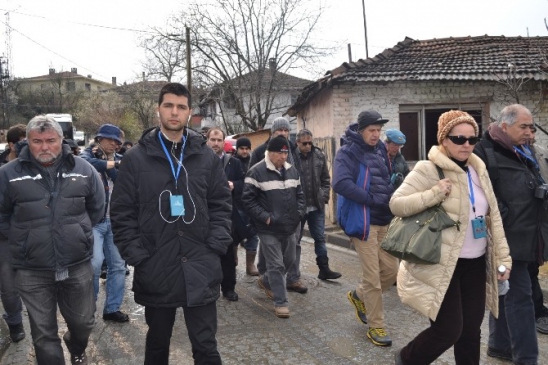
[3,147]
[79,138]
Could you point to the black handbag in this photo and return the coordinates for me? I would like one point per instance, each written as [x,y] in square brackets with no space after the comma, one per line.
[417,238]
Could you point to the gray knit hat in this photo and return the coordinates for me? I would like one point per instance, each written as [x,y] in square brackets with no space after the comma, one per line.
[280,123]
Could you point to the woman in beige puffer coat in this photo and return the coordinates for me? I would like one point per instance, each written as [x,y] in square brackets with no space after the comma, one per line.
[454,293]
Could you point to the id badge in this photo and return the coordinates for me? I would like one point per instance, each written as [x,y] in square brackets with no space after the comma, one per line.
[177,206]
[479,228]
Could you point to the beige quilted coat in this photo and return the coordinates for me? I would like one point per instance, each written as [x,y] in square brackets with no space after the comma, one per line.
[423,287]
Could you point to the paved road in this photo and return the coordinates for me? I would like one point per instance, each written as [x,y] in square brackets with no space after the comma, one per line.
[322,329]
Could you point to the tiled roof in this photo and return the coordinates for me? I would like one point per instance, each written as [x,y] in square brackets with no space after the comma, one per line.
[465,58]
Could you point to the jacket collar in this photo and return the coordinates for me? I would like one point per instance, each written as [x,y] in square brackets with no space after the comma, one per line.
[150,141]
[270,165]
[442,160]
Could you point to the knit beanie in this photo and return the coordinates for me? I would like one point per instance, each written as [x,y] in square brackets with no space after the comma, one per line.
[280,123]
[450,119]
[278,144]
[243,142]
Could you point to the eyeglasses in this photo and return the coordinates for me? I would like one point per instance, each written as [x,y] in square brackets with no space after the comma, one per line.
[460,140]
[307,143]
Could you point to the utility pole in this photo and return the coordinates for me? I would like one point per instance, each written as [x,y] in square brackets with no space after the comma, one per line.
[365,30]
[4,77]
[188,67]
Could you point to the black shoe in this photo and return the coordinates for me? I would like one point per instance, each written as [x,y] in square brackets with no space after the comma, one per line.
[231,295]
[499,354]
[17,332]
[116,317]
[103,274]
[542,325]
[325,271]
[127,271]
[79,359]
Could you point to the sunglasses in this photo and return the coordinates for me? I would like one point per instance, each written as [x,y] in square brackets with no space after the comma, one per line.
[307,143]
[460,140]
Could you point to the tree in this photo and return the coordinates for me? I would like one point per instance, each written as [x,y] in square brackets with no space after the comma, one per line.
[241,47]
[165,57]
[97,108]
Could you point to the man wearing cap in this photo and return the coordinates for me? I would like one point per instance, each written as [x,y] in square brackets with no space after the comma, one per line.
[394,142]
[361,179]
[243,153]
[518,185]
[102,155]
[274,200]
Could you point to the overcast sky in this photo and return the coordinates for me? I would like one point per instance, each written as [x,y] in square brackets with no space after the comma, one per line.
[53,33]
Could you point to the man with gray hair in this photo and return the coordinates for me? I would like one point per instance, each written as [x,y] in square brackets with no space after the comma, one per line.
[49,203]
[523,203]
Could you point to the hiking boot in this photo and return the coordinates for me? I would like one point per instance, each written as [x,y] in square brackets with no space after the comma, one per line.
[267,291]
[250,268]
[499,354]
[325,271]
[379,337]
[542,325]
[231,295]
[79,359]
[282,312]
[358,305]
[17,332]
[298,286]
[116,317]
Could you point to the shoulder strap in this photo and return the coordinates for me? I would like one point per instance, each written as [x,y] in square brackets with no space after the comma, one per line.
[440,172]
[226,160]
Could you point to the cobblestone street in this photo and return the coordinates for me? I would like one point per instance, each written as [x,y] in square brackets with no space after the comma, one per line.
[322,329]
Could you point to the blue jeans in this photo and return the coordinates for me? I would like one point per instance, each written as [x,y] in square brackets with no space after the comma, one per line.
[515,328]
[10,297]
[74,296]
[276,255]
[104,248]
[316,226]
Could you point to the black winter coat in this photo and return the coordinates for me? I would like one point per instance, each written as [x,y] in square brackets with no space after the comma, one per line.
[269,193]
[175,263]
[49,228]
[321,180]
[524,217]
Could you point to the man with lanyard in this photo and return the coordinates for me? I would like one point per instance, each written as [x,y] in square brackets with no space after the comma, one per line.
[394,142]
[523,205]
[170,212]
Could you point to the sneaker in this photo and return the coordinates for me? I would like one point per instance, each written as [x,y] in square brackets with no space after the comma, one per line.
[542,325]
[282,312]
[379,337]
[231,295]
[268,292]
[358,304]
[298,286]
[116,317]
[499,354]
[17,332]
[79,359]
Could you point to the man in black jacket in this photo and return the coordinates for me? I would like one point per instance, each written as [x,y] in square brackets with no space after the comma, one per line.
[170,213]
[274,200]
[235,175]
[312,166]
[49,202]
[523,203]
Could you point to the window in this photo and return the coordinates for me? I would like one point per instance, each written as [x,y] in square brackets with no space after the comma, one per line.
[87,86]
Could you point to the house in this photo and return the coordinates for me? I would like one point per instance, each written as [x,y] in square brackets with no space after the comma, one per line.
[64,80]
[223,105]
[414,82]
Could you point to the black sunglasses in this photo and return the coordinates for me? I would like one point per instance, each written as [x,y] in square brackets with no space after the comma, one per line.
[307,143]
[460,140]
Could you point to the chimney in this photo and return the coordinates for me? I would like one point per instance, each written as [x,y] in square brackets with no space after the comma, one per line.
[114,80]
[272,64]
[74,70]
[52,71]
[89,76]
[143,76]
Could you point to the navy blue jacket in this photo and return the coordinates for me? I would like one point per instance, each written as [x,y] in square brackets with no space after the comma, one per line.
[361,178]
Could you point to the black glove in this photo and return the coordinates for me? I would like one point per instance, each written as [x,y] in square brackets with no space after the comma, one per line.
[116,164]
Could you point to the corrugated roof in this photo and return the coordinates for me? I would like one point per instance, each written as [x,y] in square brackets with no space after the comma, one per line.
[465,58]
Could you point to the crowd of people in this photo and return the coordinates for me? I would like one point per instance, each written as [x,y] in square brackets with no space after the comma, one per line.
[178,204]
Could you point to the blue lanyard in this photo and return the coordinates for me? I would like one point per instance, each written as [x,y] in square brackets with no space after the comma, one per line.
[175,175]
[529,156]
[471,195]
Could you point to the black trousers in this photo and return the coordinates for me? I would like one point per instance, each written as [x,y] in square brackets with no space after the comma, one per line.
[201,324]
[458,321]
[228,265]
[538,299]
